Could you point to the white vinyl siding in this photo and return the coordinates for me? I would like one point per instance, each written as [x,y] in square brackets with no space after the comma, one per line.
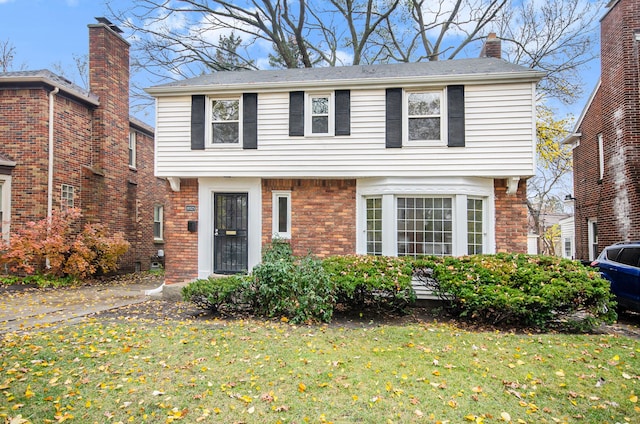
[499,121]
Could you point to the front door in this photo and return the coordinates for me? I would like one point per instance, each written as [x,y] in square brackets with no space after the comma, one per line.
[230,249]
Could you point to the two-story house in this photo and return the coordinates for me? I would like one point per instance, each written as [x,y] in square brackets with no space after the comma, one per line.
[606,140]
[63,146]
[397,159]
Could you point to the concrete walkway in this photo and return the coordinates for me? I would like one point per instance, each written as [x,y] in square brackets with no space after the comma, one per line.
[32,308]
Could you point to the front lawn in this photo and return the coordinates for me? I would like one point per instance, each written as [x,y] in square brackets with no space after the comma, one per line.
[246,371]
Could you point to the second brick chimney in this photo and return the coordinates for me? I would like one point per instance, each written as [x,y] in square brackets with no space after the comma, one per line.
[492,47]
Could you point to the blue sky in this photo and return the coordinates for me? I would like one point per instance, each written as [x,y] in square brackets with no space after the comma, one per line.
[49,32]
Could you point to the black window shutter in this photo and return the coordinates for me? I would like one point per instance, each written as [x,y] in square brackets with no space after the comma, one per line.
[394,117]
[250,120]
[197,122]
[343,112]
[296,113]
[455,115]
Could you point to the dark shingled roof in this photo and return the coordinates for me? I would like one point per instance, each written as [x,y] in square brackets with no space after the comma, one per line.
[459,67]
[48,77]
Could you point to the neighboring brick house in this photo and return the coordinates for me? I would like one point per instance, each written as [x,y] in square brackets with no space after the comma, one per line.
[399,159]
[61,146]
[606,154]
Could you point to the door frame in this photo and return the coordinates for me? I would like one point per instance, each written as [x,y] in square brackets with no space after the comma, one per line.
[206,188]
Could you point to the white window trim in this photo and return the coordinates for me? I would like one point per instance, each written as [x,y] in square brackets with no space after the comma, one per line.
[5,181]
[308,115]
[458,188]
[133,147]
[161,207]
[209,124]
[405,119]
[592,238]
[601,156]
[277,194]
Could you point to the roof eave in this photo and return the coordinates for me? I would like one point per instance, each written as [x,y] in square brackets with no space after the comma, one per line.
[525,76]
[40,79]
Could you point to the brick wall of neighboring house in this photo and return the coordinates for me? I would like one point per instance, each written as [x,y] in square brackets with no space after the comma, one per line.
[24,136]
[511,218]
[91,149]
[182,246]
[323,215]
[587,185]
[614,112]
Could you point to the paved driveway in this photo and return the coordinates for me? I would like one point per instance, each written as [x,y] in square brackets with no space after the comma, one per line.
[30,308]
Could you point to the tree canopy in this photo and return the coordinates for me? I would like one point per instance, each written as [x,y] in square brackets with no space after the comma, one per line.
[175,39]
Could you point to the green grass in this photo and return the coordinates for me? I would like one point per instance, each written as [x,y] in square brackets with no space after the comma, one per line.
[267,372]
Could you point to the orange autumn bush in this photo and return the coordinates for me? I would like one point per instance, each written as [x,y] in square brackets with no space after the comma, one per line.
[58,249]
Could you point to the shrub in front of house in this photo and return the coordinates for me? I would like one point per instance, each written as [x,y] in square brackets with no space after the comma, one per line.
[58,249]
[518,289]
[287,286]
[214,293]
[372,282]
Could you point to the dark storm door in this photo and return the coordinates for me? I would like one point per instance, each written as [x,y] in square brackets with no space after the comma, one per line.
[230,247]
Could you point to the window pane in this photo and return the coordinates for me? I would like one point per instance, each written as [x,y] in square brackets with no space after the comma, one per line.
[320,124]
[283,224]
[374,226]
[422,104]
[225,133]
[320,106]
[475,231]
[424,129]
[426,228]
[157,221]
[225,110]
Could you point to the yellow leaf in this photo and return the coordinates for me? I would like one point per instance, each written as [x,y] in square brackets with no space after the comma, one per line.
[452,403]
[28,393]
[560,373]
[616,358]
[216,410]
[470,417]
[505,416]
[302,387]
[477,389]
[633,398]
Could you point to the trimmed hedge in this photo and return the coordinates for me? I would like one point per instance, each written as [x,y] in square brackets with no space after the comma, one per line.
[382,282]
[538,291]
[512,289]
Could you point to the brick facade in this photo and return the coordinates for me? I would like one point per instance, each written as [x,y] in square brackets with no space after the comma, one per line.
[511,218]
[91,140]
[614,112]
[323,213]
[182,246]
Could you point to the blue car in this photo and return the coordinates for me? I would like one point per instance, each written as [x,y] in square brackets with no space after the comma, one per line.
[620,264]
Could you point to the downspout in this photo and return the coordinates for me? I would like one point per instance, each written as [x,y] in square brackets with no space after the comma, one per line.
[50,182]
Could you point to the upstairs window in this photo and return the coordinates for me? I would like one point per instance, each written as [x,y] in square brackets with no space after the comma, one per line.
[67,197]
[424,113]
[132,149]
[225,121]
[319,114]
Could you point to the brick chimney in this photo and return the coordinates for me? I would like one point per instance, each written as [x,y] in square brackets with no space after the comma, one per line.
[109,80]
[492,47]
